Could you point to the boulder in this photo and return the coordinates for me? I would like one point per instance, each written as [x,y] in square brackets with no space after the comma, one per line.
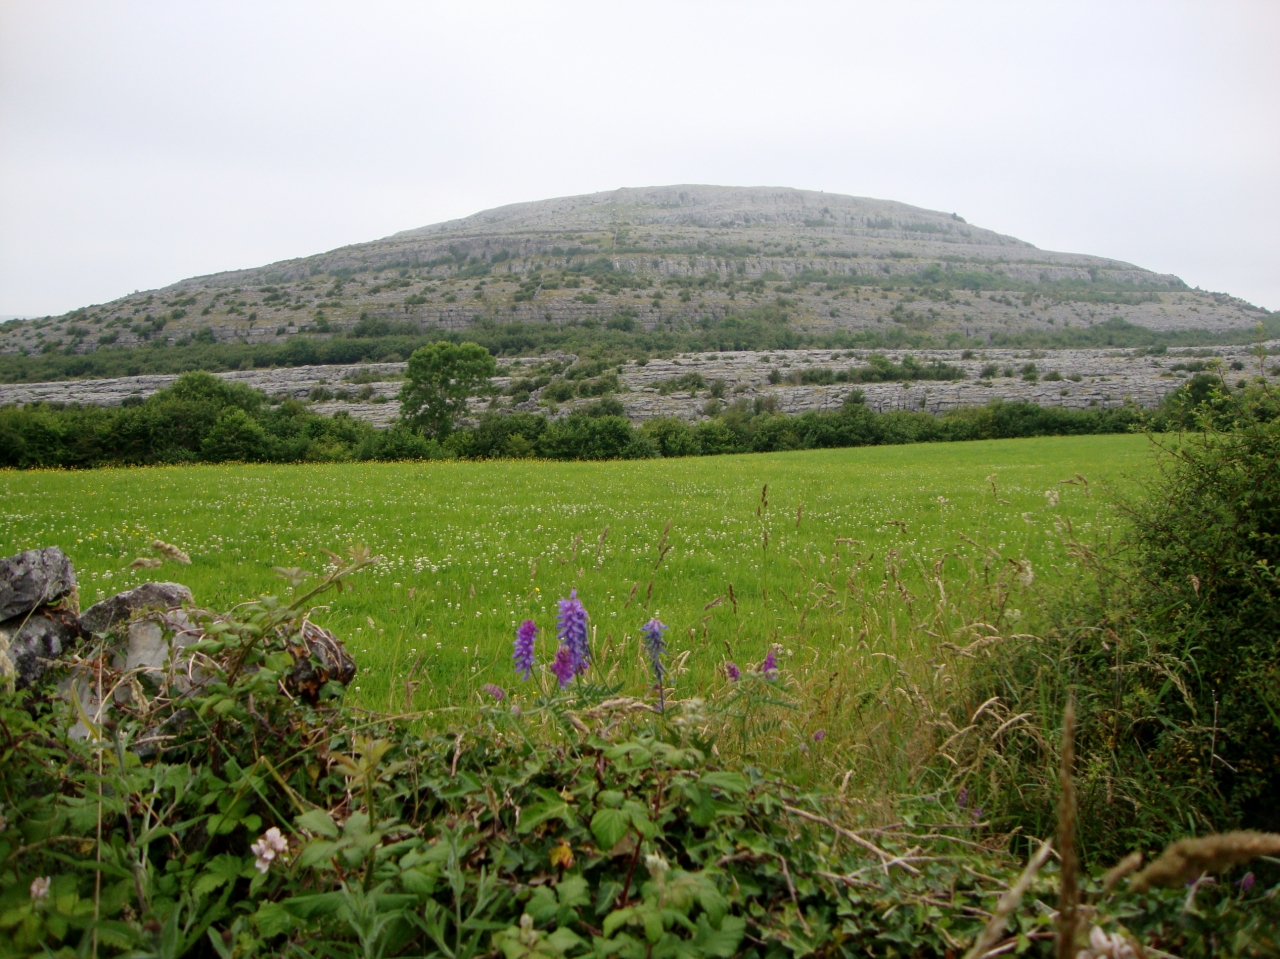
[118,610]
[35,578]
[32,641]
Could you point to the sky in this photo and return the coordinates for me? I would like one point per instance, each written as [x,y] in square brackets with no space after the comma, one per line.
[145,142]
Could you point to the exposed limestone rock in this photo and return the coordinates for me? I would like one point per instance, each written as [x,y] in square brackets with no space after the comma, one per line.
[29,644]
[34,578]
[119,609]
[1088,378]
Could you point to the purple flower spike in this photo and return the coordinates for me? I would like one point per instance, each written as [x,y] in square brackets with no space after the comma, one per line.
[732,671]
[962,797]
[820,735]
[523,655]
[571,628]
[654,646]
[497,692]
[563,666]
[770,665]
[1247,882]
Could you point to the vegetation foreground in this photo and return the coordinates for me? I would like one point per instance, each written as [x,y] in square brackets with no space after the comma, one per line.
[827,705]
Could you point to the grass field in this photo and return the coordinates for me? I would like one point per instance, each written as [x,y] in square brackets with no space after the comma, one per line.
[469,549]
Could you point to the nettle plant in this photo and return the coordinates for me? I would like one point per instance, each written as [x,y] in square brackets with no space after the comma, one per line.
[236,807]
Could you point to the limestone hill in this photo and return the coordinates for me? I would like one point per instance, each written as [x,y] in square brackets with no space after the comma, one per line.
[636,261]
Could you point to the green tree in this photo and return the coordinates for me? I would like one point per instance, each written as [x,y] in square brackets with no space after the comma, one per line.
[439,379]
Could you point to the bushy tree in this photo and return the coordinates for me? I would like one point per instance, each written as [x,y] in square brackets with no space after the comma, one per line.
[440,377]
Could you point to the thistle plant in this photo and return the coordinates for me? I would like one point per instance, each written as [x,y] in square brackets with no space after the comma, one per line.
[522,655]
[571,628]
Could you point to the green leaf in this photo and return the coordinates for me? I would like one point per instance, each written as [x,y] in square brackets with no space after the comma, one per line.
[272,919]
[542,905]
[220,870]
[722,942]
[418,882]
[732,783]
[318,851]
[319,822]
[318,906]
[573,892]
[617,919]
[562,940]
[609,826]
[534,816]
[640,819]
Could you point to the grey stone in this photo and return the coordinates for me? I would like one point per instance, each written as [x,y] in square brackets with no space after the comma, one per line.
[118,610]
[34,578]
[32,642]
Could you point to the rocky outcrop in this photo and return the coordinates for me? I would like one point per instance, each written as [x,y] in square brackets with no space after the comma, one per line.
[117,611]
[32,579]
[1072,378]
[31,642]
[143,634]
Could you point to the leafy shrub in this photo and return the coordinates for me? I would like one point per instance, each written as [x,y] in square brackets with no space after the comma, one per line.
[1170,646]
[559,390]
[684,383]
[672,437]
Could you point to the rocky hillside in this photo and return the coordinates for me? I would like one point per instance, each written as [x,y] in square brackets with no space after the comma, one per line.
[653,259]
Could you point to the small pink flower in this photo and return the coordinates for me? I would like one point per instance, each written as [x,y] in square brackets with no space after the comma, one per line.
[40,888]
[820,735]
[269,845]
[494,690]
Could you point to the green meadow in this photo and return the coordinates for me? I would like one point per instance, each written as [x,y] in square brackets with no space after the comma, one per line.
[470,549]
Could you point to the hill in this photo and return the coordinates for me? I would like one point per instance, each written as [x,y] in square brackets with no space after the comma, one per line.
[648,265]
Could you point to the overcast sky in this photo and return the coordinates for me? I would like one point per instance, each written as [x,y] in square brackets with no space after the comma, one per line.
[141,143]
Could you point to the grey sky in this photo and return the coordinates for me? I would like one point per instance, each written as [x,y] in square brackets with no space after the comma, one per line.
[141,143]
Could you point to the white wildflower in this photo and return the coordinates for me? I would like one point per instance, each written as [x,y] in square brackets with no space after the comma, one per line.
[657,865]
[1051,495]
[528,935]
[1104,946]
[269,845]
[40,888]
[1026,576]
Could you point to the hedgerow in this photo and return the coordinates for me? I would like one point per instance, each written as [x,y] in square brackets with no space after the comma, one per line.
[234,806]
